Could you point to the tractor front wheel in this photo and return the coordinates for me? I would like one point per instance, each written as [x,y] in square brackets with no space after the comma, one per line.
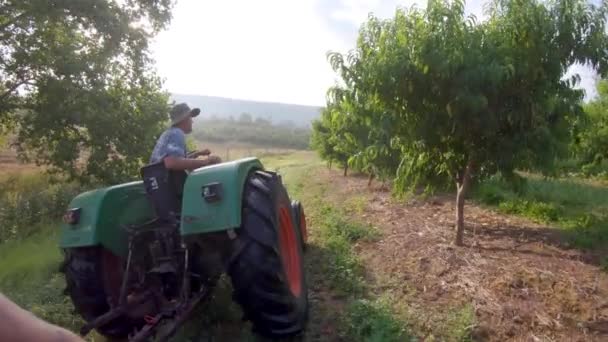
[267,269]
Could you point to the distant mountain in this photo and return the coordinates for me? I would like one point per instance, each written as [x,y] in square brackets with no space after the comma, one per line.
[225,108]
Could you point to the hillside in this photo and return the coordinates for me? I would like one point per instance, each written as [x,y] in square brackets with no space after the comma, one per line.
[224,108]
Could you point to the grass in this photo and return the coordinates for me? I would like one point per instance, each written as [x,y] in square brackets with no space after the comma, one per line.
[459,322]
[29,264]
[332,259]
[29,275]
[357,204]
[577,206]
[374,321]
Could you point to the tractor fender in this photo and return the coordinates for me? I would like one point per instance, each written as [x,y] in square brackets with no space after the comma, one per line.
[103,214]
[213,196]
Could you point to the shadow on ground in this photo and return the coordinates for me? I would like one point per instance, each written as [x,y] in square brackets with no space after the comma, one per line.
[220,319]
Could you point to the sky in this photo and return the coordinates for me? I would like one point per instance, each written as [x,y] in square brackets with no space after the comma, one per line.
[269,50]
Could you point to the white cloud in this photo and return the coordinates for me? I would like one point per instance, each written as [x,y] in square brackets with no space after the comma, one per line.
[264,50]
[267,50]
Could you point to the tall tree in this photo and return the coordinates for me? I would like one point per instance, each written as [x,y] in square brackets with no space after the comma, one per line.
[469,99]
[591,136]
[77,84]
[328,137]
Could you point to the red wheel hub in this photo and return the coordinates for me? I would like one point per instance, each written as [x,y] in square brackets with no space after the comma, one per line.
[289,252]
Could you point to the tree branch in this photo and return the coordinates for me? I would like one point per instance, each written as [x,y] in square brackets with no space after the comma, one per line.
[14,87]
[465,182]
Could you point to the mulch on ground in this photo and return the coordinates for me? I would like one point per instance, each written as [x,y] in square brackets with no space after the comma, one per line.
[522,280]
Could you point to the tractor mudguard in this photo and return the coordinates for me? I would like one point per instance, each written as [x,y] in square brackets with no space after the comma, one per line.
[212,198]
[103,213]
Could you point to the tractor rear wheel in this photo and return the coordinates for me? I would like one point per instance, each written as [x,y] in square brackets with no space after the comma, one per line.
[89,271]
[267,269]
[300,218]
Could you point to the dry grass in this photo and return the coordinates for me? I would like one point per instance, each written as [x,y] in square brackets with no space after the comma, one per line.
[10,164]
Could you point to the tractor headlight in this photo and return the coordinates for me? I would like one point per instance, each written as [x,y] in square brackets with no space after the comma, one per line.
[72,216]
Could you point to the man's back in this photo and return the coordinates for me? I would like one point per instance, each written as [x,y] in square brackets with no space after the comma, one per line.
[171,143]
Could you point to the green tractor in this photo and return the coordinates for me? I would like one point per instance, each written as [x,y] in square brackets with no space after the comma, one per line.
[146,252]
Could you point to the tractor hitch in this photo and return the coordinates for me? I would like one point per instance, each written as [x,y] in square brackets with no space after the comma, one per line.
[115,313]
[178,316]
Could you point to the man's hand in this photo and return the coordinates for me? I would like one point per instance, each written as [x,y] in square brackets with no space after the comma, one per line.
[18,324]
[197,154]
[214,160]
[179,163]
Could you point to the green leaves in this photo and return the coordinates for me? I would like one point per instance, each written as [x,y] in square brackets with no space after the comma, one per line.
[451,89]
[76,81]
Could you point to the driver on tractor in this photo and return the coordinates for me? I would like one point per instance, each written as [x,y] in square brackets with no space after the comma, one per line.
[171,145]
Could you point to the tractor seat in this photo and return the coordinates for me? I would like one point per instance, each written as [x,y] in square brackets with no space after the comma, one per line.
[164,189]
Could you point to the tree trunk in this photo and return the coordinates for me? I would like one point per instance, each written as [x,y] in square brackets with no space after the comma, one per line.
[345,170]
[462,187]
[370,179]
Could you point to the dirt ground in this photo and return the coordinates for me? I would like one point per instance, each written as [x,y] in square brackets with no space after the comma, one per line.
[521,279]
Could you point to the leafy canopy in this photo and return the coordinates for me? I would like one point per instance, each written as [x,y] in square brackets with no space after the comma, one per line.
[76,83]
[453,92]
[437,99]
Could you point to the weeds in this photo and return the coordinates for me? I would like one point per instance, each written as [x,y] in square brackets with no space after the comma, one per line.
[337,226]
[29,276]
[28,202]
[373,321]
[459,322]
[577,207]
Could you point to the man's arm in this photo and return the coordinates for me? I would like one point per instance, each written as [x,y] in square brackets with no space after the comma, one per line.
[17,324]
[197,154]
[180,163]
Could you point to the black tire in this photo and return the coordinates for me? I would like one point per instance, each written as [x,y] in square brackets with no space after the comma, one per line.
[83,268]
[259,276]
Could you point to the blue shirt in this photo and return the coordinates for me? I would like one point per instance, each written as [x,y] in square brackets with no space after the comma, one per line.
[171,143]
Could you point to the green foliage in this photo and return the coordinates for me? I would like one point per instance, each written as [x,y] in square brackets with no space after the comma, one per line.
[343,268]
[328,137]
[433,98]
[455,87]
[258,132]
[76,83]
[29,275]
[544,212]
[575,206]
[338,226]
[191,144]
[459,322]
[29,201]
[590,147]
[373,321]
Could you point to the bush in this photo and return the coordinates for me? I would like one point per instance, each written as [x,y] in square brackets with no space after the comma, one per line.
[29,201]
[543,212]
